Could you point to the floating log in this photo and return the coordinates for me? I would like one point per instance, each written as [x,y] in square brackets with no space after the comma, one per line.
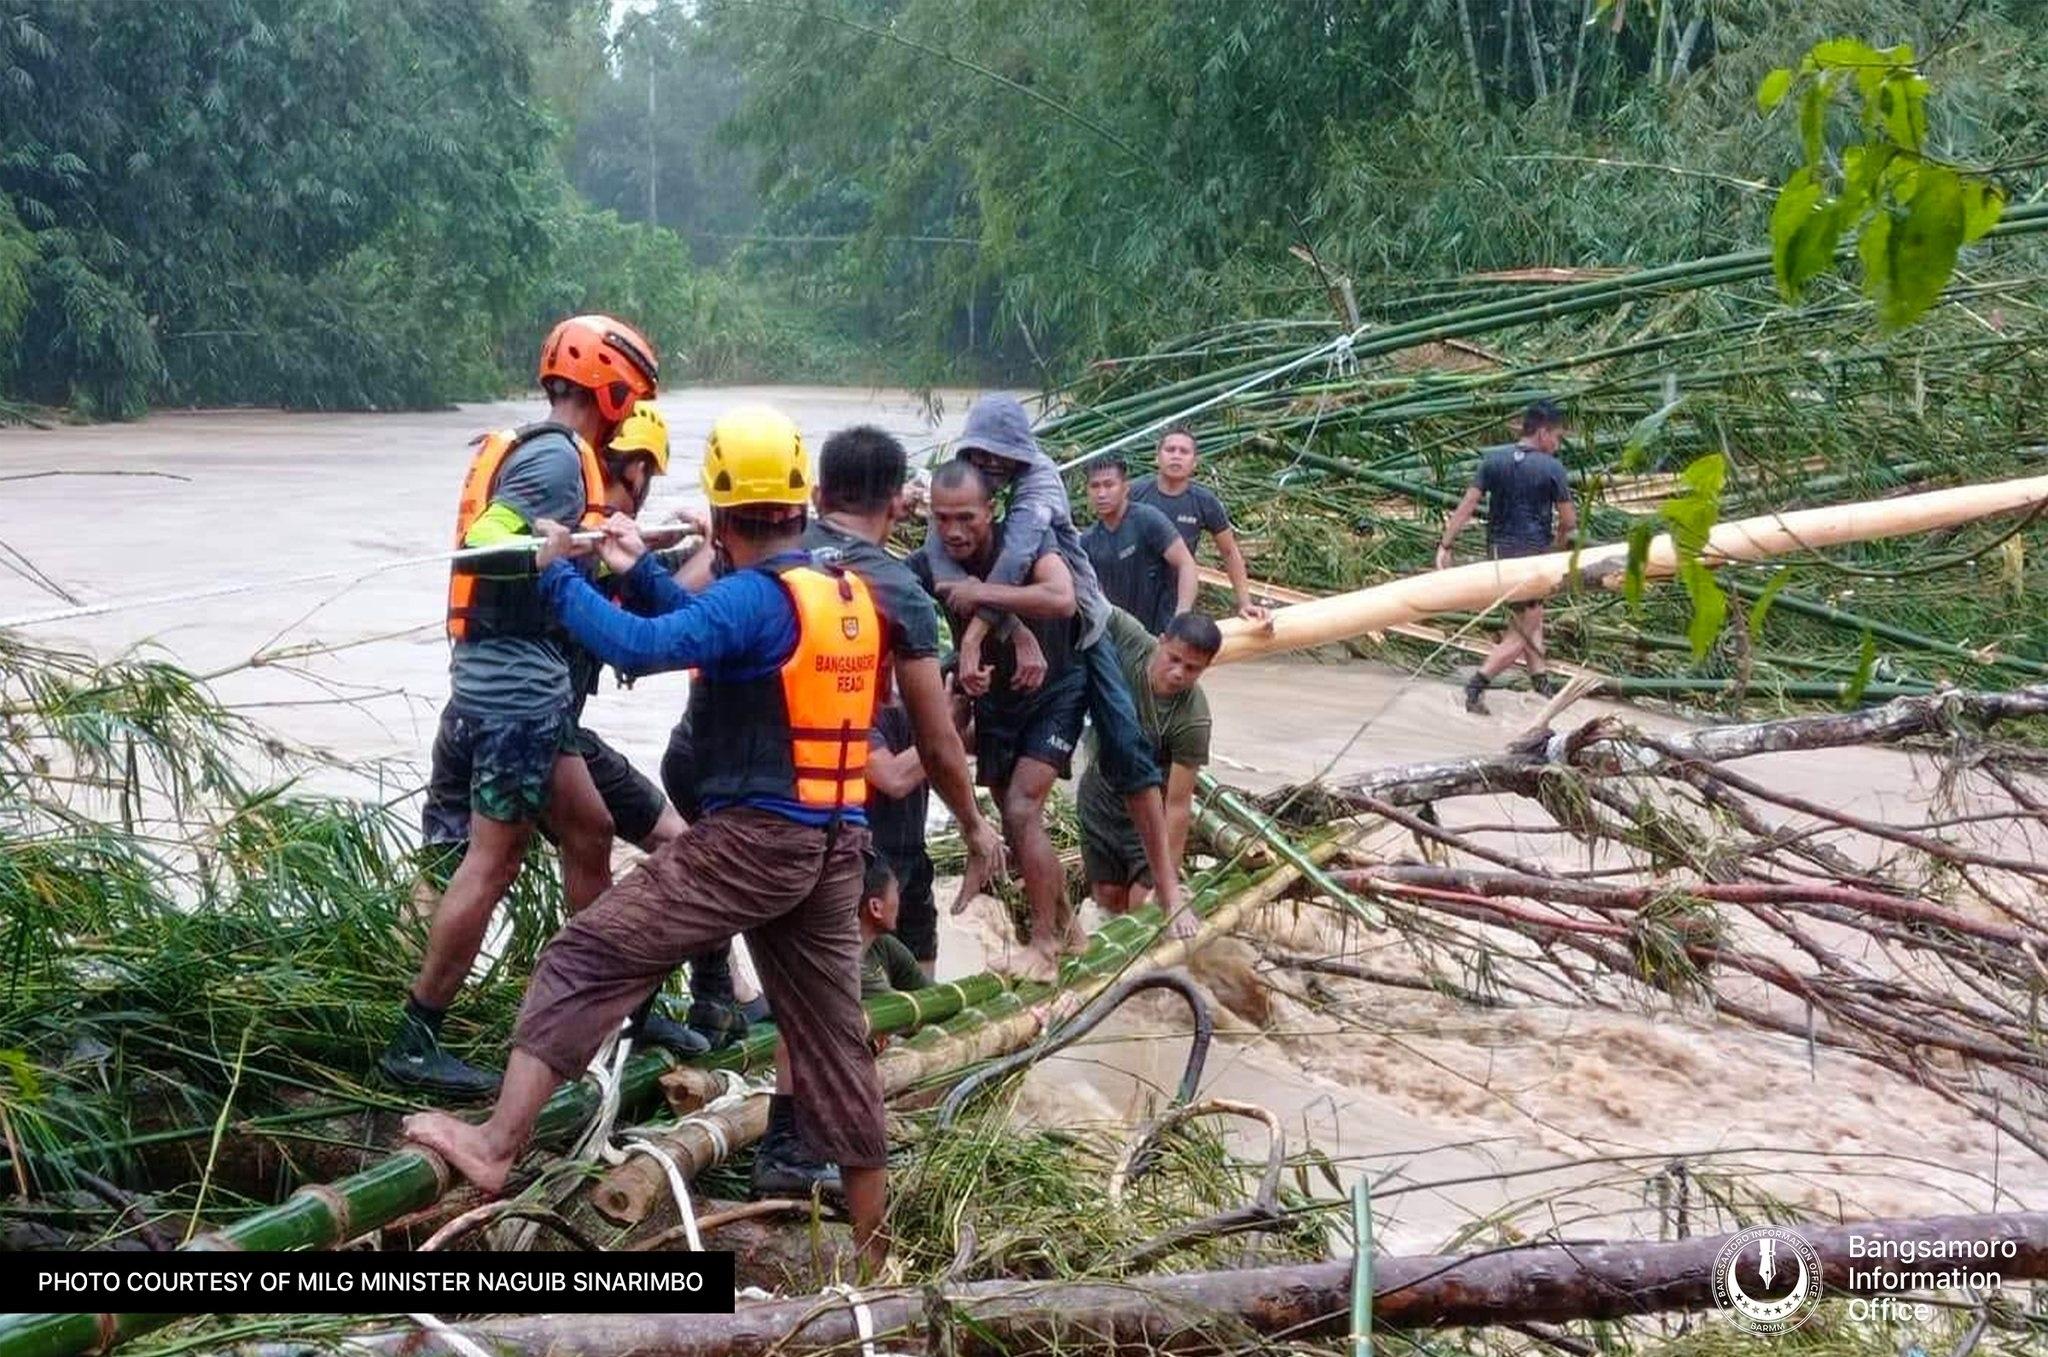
[1487,584]
[1214,1312]
[1604,748]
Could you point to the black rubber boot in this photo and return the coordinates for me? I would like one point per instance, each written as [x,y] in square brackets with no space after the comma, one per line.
[1546,683]
[1475,694]
[783,1167]
[416,1060]
[651,1028]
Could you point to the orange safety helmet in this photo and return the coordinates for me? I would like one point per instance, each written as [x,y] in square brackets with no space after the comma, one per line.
[607,357]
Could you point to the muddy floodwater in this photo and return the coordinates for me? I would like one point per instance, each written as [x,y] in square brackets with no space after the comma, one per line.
[1416,1089]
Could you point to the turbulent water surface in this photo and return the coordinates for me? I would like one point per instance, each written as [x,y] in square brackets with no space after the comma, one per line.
[1413,1087]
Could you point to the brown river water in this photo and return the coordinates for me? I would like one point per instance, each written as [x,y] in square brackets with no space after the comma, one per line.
[1412,1088]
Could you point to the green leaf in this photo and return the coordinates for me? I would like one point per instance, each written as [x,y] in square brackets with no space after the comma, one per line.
[1983,204]
[1902,101]
[1813,115]
[1636,448]
[1773,90]
[1639,534]
[1921,249]
[1847,52]
[1762,607]
[1709,607]
[1866,664]
[1705,476]
[1797,202]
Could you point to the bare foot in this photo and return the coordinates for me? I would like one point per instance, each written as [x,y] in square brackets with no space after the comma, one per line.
[463,1145]
[1040,964]
[1075,940]
[1182,923]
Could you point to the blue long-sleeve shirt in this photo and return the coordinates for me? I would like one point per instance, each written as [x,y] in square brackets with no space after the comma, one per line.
[742,628]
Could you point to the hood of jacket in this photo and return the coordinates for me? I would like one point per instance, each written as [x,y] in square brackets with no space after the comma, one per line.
[998,425]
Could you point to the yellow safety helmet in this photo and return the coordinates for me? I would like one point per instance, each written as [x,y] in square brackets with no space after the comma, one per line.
[643,434]
[755,456]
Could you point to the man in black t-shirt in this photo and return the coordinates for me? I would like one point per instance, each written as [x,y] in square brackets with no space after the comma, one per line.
[1529,512]
[1193,509]
[1024,738]
[899,801]
[1143,565]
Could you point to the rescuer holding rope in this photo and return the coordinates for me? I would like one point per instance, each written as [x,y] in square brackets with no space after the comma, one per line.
[511,725]
[789,657]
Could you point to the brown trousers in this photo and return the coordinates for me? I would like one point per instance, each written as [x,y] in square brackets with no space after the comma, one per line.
[796,897]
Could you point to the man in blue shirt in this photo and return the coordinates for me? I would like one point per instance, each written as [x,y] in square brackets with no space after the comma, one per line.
[1529,511]
[789,660]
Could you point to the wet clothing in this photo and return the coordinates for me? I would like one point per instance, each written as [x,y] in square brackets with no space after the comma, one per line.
[635,802]
[1179,729]
[899,829]
[794,891]
[1037,501]
[499,767]
[908,617]
[1523,489]
[1043,723]
[741,630]
[886,966]
[1130,560]
[1192,512]
[524,676]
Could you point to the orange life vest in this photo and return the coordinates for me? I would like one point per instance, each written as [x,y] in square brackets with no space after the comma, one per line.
[801,733]
[489,598]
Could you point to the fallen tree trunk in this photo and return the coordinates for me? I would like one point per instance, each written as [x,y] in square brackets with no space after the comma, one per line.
[1213,1312]
[1487,584]
[1604,748]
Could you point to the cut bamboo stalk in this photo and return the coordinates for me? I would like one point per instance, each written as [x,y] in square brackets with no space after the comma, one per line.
[1486,584]
[1212,1312]
[1007,1022]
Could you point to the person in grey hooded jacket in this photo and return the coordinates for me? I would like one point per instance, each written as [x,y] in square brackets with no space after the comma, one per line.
[998,440]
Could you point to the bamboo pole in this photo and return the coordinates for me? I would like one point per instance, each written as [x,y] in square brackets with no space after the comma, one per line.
[1486,584]
[1005,1023]
[1213,1312]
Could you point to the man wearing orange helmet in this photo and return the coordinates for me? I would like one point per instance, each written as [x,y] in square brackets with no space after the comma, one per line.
[512,692]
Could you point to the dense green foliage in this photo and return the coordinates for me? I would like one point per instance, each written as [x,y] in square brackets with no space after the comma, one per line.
[346,204]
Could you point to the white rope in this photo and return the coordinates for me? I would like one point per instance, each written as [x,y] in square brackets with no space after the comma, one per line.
[449,1335]
[129,604]
[863,1318]
[1340,345]
[677,1185]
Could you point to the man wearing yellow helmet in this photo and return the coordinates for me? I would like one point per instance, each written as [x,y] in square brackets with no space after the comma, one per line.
[789,660]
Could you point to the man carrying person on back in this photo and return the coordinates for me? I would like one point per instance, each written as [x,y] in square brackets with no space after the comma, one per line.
[999,442]
[1529,512]
[1175,715]
[790,658]
[512,694]
[1193,509]
[1144,567]
[1024,738]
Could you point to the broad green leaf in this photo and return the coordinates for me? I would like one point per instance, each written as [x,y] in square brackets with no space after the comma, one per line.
[1873,251]
[1815,242]
[1813,115]
[1797,201]
[1761,609]
[1773,90]
[1903,101]
[1923,246]
[1635,449]
[1848,52]
[1863,170]
[1706,475]
[1691,519]
[1639,534]
[1983,204]
[1709,607]
[1866,664]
